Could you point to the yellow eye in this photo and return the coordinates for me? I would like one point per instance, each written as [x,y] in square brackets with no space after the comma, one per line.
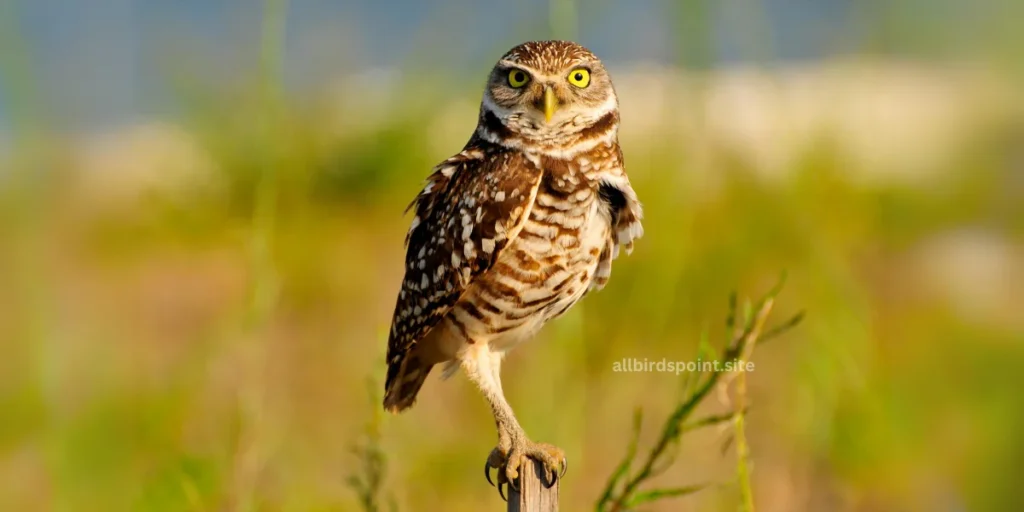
[580,77]
[517,78]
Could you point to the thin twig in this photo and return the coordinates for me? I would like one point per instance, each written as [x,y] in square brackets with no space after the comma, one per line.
[742,449]
[368,482]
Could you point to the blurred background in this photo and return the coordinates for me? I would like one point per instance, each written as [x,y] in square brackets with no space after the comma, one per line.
[201,242]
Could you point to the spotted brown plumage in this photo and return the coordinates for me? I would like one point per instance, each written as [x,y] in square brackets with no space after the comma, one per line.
[512,231]
[472,205]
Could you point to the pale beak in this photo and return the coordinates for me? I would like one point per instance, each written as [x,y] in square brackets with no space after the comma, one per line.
[550,103]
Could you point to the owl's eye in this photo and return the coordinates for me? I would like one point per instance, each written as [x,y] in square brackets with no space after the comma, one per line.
[517,78]
[580,77]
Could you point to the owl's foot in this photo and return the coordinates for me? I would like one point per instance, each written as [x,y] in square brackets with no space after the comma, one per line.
[511,455]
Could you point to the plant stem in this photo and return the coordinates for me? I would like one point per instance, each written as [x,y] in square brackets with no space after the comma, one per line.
[742,448]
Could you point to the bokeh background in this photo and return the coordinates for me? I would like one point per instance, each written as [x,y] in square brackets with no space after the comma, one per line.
[201,241]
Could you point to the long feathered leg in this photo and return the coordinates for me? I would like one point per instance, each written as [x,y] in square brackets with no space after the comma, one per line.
[483,368]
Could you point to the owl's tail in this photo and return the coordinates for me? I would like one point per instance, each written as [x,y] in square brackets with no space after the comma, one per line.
[404,380]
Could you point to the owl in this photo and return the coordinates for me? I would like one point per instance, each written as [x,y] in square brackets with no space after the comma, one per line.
[511,232]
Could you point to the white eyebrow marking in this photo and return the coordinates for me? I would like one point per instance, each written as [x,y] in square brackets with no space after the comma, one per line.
[536,74]
[571,65]
[514,64]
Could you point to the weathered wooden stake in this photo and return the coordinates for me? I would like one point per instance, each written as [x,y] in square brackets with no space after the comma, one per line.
[532,495]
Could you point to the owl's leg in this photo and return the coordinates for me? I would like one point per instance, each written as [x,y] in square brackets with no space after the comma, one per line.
[483,367]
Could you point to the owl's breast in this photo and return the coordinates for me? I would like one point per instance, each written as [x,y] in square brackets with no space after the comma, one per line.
[546,269]
[560,247]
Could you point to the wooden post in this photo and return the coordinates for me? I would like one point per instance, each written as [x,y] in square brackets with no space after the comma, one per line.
[532,495]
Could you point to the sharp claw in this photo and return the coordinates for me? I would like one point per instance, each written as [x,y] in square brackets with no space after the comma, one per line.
[565,467]
[554,479]
[487,472]
[502,493]
[512,484]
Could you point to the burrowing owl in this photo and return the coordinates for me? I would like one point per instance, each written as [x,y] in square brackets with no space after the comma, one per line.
[512,231]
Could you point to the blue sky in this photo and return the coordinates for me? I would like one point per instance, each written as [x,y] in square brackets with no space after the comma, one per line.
[103,62]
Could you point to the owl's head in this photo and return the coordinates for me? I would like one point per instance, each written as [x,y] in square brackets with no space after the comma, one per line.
[546,89]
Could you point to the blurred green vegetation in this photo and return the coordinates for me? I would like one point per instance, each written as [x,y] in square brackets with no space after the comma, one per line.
[195,330]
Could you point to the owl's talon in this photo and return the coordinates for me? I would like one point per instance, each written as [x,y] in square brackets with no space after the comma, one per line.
[510,463]
[549,483]
[552,460]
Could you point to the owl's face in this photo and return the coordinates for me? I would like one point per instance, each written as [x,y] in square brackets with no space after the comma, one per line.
[541,90]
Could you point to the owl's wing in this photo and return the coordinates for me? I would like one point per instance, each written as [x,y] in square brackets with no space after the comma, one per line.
[626,212]
[473,205]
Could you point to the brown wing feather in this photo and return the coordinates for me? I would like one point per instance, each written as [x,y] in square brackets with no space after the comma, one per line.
[473,205]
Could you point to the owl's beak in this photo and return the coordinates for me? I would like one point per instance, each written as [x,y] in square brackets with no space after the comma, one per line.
[550,103]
